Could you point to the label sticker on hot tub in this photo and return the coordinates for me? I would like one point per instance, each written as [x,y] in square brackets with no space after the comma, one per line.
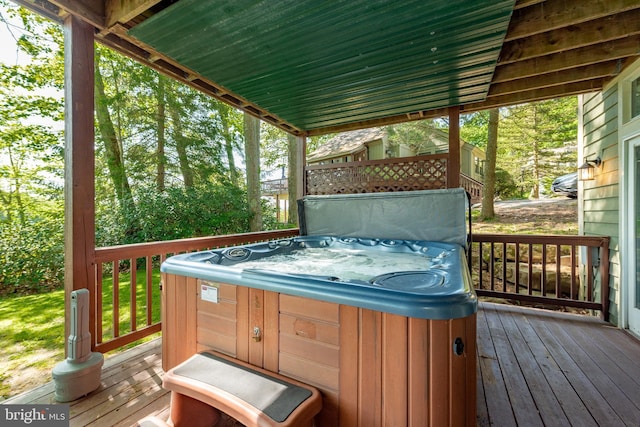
[209,293]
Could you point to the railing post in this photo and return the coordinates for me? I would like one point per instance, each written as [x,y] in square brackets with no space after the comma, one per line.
[453,164]
[604,279]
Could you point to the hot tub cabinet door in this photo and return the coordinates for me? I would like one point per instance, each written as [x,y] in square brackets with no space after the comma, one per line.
[373,368]
[192,321]
[380,369]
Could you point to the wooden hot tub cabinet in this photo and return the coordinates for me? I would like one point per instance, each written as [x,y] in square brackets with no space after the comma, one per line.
[372,368]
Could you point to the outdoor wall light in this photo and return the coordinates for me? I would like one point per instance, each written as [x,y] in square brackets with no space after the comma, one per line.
[586,171]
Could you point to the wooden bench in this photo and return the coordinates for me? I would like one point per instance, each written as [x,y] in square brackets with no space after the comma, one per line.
[209,382]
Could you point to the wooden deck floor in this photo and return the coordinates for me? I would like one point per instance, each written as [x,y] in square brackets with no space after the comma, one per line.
[131,389]
[535,368]
[541,368]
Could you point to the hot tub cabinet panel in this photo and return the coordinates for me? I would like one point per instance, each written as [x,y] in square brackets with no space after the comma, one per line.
[372,367]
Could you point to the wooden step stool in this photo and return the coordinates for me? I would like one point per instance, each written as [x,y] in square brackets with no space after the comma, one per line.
[210,382]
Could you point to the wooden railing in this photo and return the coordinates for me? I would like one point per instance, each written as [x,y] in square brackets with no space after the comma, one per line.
[127,288]
[551,270]
[473,187]
[568,271]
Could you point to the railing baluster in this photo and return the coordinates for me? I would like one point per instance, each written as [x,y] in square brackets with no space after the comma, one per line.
[517,269]
[492,264]
[133,293]
[590,284]
[149,288]
[574,275]
[530,270]
[558,271]
[504,266]
[115,291]
[543,275]
[99,318]
[480,265]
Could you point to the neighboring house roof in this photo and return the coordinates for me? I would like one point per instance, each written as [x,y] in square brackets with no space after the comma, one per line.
[346,143]
[351,142]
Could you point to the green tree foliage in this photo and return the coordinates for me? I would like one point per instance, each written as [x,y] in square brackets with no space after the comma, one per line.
[417,135]
[536,143]
[532,138]
[31,235]
[165,157]
[173,142]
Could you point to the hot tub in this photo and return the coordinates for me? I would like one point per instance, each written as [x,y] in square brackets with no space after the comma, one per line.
[411,278]
[384,326]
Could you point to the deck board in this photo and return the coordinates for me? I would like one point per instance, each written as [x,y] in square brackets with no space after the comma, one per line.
[591,386]
[572,406]
[535,367]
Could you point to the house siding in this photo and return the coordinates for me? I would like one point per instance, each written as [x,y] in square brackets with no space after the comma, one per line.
[601,200]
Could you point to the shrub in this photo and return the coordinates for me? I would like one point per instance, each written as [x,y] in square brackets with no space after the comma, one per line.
[177,213]
[32,256]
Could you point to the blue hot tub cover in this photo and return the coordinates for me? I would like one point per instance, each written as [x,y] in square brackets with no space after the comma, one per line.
[433,215]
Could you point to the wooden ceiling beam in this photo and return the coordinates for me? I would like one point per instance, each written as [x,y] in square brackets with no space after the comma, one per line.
[44,8]
[123,11]
[92,12]
[554,14]
[576,36]
[616,49]
[536,95]
[525,3]
[602,70]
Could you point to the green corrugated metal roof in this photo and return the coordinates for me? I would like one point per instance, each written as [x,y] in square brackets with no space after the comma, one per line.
[317,64]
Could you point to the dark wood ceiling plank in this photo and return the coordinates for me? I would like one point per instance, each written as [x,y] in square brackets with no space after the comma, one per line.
[537,95]
[600,70]
[616,49]
[525,3]
[572,37]
[554,14]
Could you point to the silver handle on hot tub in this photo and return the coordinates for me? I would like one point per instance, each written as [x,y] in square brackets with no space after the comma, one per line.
[257,335]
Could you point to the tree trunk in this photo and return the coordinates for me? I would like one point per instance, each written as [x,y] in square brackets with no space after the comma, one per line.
[181,146]
[535,191]
[292,178]
[115,160]
[228,143]
[161,158]
[487,210]
[252,156]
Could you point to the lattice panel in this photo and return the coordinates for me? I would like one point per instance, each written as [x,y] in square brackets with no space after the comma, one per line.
[377,176]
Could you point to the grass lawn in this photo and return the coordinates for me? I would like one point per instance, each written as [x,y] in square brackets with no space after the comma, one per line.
[32,337]
[31,340]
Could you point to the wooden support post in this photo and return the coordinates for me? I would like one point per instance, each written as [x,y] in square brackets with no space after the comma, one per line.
[79,188]
[301,153]
[453,164]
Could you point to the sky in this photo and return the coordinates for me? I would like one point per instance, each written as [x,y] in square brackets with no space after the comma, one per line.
[8,52]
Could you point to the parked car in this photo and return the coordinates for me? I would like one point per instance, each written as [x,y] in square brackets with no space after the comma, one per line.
[566,185]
